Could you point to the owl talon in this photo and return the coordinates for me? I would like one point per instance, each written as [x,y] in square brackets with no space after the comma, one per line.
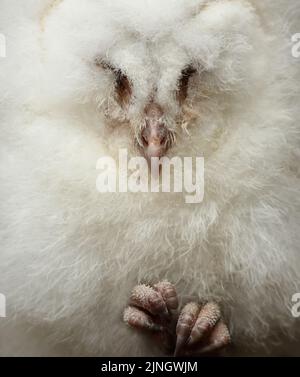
[151,309]
[136,318]
[218,339]
[168,293]
[147,298]
[185,324]
[199,330]
[207,331]
[208,316]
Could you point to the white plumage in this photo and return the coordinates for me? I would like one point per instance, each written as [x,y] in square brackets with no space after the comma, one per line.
[70,255]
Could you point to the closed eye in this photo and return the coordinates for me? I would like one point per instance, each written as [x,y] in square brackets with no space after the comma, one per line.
[122,83]
[183,82]
[123,88]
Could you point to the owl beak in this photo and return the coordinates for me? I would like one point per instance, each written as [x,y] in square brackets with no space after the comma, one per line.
[155,133]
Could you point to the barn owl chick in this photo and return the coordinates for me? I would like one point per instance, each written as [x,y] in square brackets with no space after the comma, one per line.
[201,78]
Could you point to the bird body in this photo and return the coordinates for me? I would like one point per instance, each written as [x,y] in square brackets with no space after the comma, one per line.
[211,79]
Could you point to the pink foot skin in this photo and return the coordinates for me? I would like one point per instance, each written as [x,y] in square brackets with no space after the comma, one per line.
[198,330]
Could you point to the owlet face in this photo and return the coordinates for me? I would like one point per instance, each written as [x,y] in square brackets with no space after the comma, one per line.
[160,72]
[156,65]
[151,104]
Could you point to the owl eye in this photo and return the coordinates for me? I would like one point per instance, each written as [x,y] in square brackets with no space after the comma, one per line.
[122,83]
[183,82]
[123,88]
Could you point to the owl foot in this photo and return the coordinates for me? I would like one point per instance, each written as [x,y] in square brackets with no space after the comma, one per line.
[198,330]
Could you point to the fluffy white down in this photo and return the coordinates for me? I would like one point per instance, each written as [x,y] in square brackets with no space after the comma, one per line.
[70,255]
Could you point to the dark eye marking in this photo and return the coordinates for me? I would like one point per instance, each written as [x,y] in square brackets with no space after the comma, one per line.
[183,82]
[123,88]
[122,83]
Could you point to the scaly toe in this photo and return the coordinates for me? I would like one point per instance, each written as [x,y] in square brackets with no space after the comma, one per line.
[208,317]
[147,298]
[186,321]
[136,318]
[168,293]
[217,340]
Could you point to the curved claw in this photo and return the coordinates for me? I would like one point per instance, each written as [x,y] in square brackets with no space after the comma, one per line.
[218,339]
[208,317]
[186,321]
